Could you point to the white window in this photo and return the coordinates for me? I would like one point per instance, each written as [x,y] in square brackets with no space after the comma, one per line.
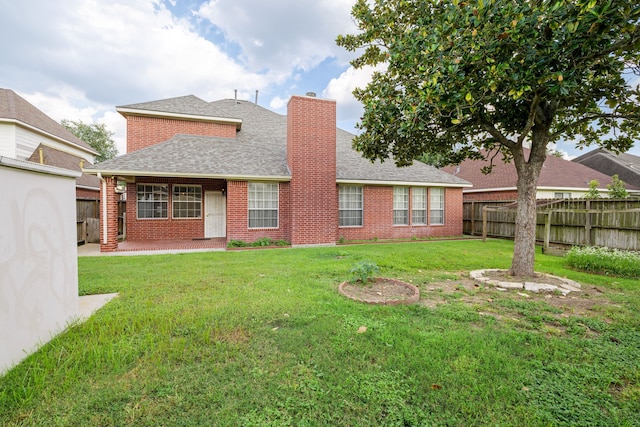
[400,205]
[263,205]
[187,201]
[437,205]
[152,200]
[350,206]
[418,205]
[562,195]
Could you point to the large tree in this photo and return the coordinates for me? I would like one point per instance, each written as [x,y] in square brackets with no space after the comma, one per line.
[96,135]
[459,79]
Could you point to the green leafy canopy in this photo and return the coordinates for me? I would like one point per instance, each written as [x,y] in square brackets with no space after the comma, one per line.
[458,77]
[463,75]
[96,135]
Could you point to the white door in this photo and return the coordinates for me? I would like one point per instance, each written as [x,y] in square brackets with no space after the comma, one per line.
[215,214]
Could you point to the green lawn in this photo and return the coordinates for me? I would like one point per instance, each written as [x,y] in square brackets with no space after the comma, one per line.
[262,338]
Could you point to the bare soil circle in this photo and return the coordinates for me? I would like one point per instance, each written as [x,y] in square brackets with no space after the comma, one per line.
[381,290]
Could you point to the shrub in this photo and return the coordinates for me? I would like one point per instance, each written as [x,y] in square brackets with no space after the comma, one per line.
[261,242]
[237,244]
[364,271]
[607,261]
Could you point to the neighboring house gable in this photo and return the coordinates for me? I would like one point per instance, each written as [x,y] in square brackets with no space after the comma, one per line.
[23,127]
[625,165]
[26,133]
[559,178]
[234,169]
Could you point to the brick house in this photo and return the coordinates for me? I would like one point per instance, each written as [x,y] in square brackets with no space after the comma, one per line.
[559,179]
[234,170]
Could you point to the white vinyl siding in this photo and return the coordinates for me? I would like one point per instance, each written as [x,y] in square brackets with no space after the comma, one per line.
[350,206]
[263,205]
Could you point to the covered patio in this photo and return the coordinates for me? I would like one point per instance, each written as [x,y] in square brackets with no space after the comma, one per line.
[149,247]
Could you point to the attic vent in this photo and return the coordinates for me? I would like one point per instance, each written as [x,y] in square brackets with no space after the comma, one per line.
[311,94]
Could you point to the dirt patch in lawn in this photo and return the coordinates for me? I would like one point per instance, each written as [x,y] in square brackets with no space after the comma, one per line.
[381,290]
[550,312]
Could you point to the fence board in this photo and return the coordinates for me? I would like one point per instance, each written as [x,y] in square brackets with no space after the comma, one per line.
[602,222]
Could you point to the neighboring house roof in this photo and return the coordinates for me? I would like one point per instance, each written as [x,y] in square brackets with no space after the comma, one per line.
[15,108]
[556,173]
[53,157]
[625,165]
[257,152]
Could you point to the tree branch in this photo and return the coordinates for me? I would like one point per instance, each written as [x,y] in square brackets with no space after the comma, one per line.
[592,117]
[530,118]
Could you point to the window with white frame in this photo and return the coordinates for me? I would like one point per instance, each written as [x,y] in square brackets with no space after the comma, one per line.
[400,205]
[152,201]
[562,195]
[263,205]
[350,205]
[419,205]
[187,201]
[436,203]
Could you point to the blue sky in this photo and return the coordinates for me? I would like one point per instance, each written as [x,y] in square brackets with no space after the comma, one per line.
[79,59]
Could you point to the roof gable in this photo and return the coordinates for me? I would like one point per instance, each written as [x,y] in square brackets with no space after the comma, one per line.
[14,107]
[188,107]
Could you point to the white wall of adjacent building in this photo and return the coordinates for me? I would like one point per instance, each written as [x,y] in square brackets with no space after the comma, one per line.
[38,256]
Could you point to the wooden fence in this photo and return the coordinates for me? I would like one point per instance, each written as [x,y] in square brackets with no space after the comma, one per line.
[88,220]
[86,211]
[614,223]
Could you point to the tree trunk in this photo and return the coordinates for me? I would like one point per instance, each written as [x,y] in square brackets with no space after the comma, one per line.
[522,264]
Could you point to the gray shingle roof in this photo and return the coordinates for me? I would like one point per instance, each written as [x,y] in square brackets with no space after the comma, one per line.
[625,165]
[53,157]
[259,150]
[14,107]
[189,104]
[350,165]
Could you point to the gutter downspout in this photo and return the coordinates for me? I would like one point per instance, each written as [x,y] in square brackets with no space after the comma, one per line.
[104,208]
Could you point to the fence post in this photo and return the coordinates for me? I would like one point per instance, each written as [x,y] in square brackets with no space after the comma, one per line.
[473,218]
[547,231]
[484,223]
[587,223]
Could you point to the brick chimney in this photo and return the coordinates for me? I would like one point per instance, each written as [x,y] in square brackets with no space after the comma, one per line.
[311,156]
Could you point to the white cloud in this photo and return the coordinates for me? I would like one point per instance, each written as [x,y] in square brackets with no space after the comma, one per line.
[341,89]
[291,33]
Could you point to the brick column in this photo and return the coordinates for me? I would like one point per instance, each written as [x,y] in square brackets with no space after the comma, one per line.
[311,155]
[109,198]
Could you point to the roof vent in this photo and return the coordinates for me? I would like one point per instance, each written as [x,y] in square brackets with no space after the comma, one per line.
[311,94]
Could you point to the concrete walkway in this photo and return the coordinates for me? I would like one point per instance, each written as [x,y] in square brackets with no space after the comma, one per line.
[89,304]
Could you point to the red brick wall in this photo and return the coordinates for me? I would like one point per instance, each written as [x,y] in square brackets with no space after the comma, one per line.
[238,214]
[83,193]
[145,131]
[311,156]
[491,195]
[378,217]
[166,228]
[110,197]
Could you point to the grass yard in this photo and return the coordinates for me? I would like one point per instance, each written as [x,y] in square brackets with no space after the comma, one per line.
[262,338]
